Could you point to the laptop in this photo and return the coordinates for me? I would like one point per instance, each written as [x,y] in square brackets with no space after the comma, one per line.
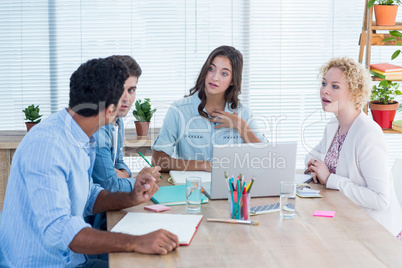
[268,164]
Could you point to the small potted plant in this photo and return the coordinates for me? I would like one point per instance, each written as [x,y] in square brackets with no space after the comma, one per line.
[143,113]
[382,105]
[32,116]
[385,11]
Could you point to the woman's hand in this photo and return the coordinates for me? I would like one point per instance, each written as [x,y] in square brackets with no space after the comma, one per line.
[227,120]
[318,170]
[234,121]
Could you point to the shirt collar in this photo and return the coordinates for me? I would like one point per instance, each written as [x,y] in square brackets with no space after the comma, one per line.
[74,133]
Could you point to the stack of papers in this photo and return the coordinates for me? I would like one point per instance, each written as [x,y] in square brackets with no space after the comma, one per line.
[304,190]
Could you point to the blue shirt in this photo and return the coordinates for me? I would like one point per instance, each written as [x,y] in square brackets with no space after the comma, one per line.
[49,192]
[104,173]
[187,135]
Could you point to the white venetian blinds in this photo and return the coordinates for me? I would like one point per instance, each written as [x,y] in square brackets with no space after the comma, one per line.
[283,43]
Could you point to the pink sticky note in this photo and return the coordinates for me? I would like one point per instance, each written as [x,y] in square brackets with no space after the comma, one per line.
[157,208]
[319,213]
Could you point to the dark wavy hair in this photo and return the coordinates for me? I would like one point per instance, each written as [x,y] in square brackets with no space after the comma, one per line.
[96,84]
[232,93]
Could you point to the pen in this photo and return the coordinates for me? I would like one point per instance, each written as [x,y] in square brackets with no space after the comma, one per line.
[234,221]
[148,162]
[250,184]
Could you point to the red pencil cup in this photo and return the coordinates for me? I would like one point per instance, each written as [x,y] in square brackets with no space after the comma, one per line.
[239,209]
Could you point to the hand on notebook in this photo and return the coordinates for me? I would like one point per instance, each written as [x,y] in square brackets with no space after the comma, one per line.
[144,188]
[158,242]
[318,170]
[153,171]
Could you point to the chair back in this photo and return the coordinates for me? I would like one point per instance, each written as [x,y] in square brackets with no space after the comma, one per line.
[397,174]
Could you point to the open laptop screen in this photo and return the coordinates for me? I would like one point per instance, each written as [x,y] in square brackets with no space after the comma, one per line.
[268,164]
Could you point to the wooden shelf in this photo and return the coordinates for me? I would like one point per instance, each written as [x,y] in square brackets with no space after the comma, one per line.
[376,78]
[397,27]
[391,131]
[370,37]
[376,40]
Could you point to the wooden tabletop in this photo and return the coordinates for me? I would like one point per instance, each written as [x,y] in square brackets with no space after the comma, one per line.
[351,239]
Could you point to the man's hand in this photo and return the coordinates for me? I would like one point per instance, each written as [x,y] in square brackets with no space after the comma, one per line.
[158,242]
[153,171]
[92,241]
[144,188]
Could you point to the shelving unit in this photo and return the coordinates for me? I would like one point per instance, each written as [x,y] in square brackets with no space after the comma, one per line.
[369,37]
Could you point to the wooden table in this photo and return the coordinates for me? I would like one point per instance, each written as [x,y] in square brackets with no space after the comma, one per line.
[9,141]
[351,239]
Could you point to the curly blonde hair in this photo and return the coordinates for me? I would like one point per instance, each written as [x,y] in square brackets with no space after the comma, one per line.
[356,76]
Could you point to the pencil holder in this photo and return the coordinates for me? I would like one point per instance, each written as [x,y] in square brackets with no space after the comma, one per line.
[239,208]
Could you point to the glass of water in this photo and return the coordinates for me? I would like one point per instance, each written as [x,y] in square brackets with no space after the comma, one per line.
[193,195]
[288,200]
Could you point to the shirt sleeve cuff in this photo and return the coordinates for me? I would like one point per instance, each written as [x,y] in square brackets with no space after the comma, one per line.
[72,228]
[332,182]
[96,189]
[163,146]
[132,182]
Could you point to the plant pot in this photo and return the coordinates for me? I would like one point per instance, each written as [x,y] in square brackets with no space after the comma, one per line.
[383,114]
[385,15]
[30,125]
[141,128]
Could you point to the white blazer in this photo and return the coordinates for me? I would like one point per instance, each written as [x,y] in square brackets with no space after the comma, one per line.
[362,173]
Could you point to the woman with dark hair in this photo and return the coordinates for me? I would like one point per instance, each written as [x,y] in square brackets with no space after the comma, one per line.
[211,114]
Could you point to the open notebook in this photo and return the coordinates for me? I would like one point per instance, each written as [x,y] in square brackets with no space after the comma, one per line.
[136,223]
[173,195]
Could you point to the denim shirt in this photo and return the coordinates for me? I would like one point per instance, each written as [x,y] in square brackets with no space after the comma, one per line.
[49,192]
[187,135]
[104,173]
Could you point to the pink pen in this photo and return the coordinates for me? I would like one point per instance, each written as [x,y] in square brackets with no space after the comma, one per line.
[245,205]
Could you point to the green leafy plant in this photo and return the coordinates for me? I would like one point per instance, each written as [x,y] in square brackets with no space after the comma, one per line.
[397,37]
[143,112]
[385,92]
[32,114]
[383,2]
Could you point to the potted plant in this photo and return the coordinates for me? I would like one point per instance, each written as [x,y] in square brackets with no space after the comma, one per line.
[143,113]
[385,11]
[32,116]
[383,106]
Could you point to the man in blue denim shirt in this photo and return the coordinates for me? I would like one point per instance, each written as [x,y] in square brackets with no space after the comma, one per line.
[110,171]
[50,188]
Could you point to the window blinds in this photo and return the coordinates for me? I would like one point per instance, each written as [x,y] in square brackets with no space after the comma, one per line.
[283,43]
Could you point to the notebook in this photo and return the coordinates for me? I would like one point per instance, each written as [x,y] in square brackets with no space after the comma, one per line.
[173,195]
[268,164]
[179,177]
[135,223]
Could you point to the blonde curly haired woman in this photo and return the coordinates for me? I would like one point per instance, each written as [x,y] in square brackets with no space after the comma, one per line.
[352,156]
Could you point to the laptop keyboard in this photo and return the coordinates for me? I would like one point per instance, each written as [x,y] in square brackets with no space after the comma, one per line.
[265,209]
